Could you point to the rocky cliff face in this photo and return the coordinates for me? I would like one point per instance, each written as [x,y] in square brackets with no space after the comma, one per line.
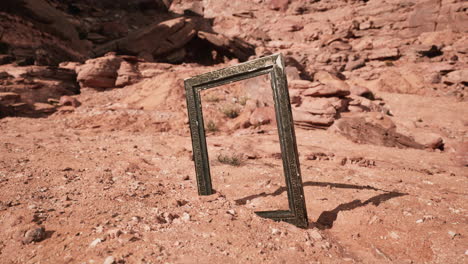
[338,53]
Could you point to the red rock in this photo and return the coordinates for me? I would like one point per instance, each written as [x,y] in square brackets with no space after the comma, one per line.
[5,59]
[114,29]
[308,120]
[361,91]
[317,106]
[235,46]
[331,80]
[432,15]
[100,72]
[339,45]
[156,39]
[356,64]
[127,74]
[461,153]
[301,84]
[384,53]
[71,65]
[324,90]
[281,5]
[38,83]
[262,116]
[34,235]
[460,76]
[43,107]
[372,128]
[69,101]
[295,96]
[8,98]
[429,140]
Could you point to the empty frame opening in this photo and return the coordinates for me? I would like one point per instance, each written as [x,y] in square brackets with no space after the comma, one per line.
[243,143]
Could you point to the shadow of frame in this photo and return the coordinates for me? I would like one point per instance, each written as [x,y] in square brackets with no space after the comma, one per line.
[327,218]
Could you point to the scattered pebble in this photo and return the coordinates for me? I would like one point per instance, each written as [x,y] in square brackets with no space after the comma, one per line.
[373,220]
[109,260]
[453,234]
[185,217]
[419,221]
[315,235]
[34,235]
[114,233]
[181,202]
[394,235]
[95,242]
[231,212]
[275,231]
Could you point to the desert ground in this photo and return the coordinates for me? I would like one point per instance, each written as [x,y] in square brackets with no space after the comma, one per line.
[96,162]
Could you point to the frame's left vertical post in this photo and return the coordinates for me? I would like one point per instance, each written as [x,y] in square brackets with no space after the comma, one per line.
[197,131]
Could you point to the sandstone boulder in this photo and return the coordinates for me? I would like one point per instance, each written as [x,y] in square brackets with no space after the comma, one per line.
[307,120]
[384,53]
[317,106]
[99,73]
[372,128]
[456,77]
[154,40]
[281,5]
[37,83]
[326,91]
[429,140]
[127,74]
[331,80]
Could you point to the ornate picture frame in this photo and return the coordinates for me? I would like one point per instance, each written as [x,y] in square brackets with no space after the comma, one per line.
[274,66]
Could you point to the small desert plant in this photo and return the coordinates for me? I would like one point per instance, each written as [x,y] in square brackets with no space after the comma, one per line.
[233,160]
[211,98]
[230,111]
[211,126]
[243,100]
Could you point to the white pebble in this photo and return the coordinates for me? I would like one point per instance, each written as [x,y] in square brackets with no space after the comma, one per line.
[109,260]
[95,242]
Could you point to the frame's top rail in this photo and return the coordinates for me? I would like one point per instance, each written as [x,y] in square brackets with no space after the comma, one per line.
[229,72]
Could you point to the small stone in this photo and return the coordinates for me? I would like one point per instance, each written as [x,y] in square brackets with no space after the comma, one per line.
[394,235]
[275,231]
[95,242]
[34,235]
[229,216]
[114,233]
[170,217]
[231,212]
[109,260]
[181,202]
[384,53]
[185,217]
[419,221]
[326,245]
[466,252]
[315,235]
[453,234]
[373,220]
[185,178]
